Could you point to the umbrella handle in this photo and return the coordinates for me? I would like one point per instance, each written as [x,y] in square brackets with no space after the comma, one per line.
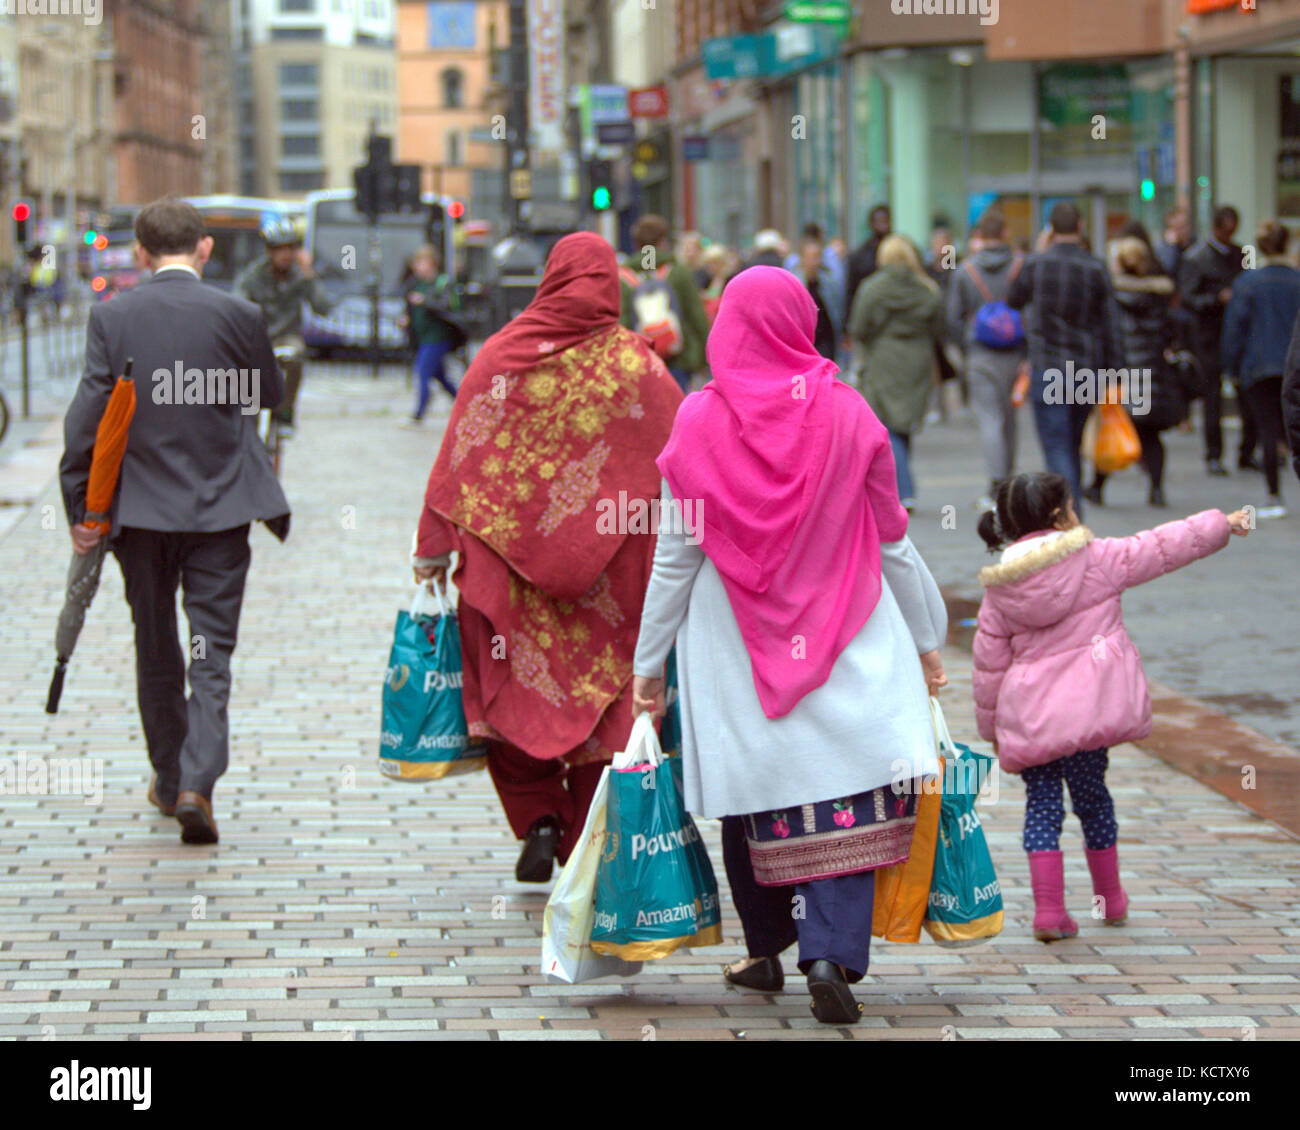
[56,687]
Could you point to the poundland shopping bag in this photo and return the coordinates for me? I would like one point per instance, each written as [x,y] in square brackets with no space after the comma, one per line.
[566,924]
[965,898]
[655,889]
[423,733]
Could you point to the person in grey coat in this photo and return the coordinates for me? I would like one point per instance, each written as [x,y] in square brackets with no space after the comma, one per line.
[990,373]
[194,477]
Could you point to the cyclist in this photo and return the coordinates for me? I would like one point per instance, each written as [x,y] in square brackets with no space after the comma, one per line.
[280,284]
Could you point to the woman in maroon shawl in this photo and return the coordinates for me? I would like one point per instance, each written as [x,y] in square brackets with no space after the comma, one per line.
[550,448]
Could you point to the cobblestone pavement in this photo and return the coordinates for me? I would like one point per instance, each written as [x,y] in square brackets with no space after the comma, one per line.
[339,905]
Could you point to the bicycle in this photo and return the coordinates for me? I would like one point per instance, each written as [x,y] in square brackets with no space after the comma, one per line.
[271,430]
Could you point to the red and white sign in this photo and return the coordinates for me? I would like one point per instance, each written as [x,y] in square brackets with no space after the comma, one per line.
[648,102]
[546,74]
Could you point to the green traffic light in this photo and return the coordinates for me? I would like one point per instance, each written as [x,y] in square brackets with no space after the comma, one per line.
[89,238]
[600,199]
[1148,190]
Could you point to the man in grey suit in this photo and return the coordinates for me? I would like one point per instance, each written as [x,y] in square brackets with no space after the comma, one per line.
[194,478]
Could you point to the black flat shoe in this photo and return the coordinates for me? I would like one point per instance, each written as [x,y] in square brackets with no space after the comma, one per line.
[832,999]
[1157,498]
[765,975]
[1093,495]
[540,845]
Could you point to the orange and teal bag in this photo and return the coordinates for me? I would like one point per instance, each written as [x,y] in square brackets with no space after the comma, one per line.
[903,889]
[965,905]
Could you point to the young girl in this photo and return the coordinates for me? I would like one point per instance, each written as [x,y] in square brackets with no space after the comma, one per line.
[1057,679]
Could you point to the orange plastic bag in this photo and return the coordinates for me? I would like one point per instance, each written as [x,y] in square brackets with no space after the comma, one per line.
[903,890]
[1117,445]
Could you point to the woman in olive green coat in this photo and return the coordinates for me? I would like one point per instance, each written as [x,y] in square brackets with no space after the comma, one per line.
[897,317]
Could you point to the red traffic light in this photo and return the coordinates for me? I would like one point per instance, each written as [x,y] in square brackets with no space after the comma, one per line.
[455,209]
[22,211]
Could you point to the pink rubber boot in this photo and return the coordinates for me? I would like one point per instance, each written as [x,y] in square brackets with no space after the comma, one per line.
[1104,867]
[1047,877]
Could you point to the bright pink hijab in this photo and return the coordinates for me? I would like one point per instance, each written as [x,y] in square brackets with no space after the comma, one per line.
[792,480]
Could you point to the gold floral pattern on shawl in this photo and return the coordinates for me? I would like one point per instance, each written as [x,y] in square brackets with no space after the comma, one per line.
[543,433]
[554,636]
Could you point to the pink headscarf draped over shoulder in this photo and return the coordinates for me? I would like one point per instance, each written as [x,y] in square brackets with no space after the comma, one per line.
[791,478]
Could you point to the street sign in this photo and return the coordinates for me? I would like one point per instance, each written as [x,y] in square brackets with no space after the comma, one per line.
[818,11]
[732,56]
[695,148]
[521,183]
[615,133]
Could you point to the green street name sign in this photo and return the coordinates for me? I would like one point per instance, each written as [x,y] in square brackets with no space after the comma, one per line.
[818,11]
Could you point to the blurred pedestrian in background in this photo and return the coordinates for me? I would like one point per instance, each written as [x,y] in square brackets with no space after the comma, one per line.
[1256,337]
[1073,324]
[897,318]
[769,249]
[660,298]
[430,294]
[862,263]
[559,409]
[991,365]
[1205,278]
[1145,296]
[817,279]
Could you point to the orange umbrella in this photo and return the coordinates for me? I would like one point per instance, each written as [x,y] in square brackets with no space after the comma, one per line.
[83,573]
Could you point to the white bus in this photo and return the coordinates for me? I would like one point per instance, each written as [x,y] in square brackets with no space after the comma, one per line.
[338,237]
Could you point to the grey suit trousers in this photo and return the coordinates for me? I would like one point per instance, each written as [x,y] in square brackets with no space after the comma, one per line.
[189,741]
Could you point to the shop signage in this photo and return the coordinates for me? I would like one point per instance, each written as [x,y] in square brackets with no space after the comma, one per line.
[781,51]
[648,102]
[521,183]
[1195,6]
[608,104]
[695,148]
[546,73]
[817,11]
[1075,93]
[614,133]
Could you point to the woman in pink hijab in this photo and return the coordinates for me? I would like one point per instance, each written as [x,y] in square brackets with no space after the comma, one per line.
[807,631]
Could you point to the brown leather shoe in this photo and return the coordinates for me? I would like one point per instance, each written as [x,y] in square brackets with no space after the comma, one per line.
[194,811]
[152,794]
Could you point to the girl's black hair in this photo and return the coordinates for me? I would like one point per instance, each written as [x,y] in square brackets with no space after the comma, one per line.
[1025,504]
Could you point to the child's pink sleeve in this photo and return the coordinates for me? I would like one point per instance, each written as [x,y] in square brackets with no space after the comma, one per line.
[992,654]
[1152,553]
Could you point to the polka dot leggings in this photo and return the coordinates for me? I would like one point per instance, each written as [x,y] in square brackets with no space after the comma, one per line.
[1085,774]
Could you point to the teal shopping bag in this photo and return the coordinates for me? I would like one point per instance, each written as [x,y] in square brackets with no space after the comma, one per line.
[655,887]
[423,734]
[965,905]
[670,729]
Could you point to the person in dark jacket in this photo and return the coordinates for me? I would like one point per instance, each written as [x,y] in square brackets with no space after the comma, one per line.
[1291,397]
[1073,325]
[195,476]
[817,279]
[428,293]
[1177,239]
[1145,296]
[1205,279]
[1256,337]
[862,263]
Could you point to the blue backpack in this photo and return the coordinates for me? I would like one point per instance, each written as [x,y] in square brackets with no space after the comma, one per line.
[997,326]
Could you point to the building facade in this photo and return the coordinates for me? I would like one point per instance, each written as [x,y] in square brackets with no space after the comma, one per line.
[314,76]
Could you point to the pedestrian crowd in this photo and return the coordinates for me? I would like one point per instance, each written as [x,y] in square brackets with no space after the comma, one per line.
[801,625]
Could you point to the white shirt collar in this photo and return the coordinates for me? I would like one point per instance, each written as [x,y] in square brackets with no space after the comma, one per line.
[177,267]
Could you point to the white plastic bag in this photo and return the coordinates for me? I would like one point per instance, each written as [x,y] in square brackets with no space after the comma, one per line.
[567,955]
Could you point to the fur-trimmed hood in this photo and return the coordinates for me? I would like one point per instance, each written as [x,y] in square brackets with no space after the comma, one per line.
[1038,578]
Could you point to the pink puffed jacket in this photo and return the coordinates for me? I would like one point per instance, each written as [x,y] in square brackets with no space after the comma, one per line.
[1055,671]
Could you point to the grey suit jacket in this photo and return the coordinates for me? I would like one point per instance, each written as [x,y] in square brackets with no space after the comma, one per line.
[202,364]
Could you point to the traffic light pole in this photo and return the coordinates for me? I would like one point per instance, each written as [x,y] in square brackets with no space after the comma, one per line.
[26,349]
[374,256]
[517,130]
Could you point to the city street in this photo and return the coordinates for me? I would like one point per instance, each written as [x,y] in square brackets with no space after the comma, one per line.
[340,905]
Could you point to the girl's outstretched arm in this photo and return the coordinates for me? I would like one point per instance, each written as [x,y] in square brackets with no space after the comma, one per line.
[1153,553]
